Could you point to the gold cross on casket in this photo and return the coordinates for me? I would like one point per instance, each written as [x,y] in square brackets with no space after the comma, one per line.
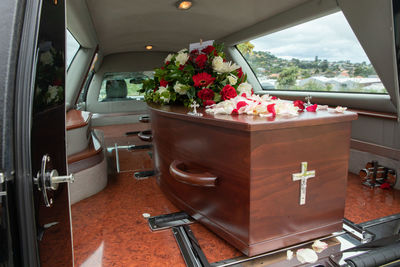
[303,176]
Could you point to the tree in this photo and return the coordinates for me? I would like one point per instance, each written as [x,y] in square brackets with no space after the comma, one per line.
[324,65]
[246,48]
[288,77]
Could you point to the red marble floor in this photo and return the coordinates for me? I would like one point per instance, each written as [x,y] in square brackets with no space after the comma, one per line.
[365,204]
[109,228]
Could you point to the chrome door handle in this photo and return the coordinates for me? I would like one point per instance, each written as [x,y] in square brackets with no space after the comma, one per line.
[49,180]
[2,180]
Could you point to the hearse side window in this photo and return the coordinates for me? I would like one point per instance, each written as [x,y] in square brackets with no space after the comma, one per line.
[72,48]
[319,55]
[81,102]
[119,86]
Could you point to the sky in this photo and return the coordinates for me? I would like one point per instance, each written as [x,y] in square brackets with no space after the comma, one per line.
[329,37]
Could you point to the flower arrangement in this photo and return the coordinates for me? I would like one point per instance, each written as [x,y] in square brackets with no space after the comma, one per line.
[207,78]
[203,76]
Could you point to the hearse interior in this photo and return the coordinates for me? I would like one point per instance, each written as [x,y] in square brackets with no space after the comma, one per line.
[92,175]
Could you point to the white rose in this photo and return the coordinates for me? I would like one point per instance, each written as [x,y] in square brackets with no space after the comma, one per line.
[47,58]
[168,58]
[184,50]
[245,88]
[218,64]
[161,90]
[181,58]
[232,79]
[180,88]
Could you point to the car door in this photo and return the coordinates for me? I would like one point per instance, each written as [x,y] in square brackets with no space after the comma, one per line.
[41,191]
[48,161]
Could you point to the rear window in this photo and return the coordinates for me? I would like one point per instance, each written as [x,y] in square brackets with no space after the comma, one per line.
[319,55]
[120,86]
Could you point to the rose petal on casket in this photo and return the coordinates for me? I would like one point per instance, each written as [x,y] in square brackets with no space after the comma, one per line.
[323,107]
[289,255]
[340,109]
[319,246]
[306,255]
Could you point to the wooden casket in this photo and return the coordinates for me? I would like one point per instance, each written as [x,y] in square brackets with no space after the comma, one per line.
[242,176]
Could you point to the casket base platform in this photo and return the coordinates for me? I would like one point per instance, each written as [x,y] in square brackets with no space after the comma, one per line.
[261,184]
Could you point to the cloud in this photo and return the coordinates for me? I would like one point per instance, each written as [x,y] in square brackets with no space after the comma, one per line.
[329,37]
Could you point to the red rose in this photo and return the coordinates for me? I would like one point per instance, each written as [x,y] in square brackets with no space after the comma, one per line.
[271,109]
[205,94]
[201,60]
[163,83]
[163,68]
[299,104]
[240,72]
[312,108]
[235,112]
[167,63]
[202,79]
[194,52]
[241,104]
[208,49]
[181,67]
[208,102]
[228,92]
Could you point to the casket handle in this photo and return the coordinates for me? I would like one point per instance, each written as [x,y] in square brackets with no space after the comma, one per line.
[177,170]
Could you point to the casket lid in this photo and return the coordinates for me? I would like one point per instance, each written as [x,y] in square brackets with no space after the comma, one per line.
[255,123]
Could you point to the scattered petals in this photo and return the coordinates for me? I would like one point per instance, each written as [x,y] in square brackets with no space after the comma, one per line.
[146,215]
[262,106]
[299,104]
[319,246]
[306,255]
[322,107]
[241,104]
[312,108]
[385,185]
[340,109]
[274,98]
[271,109]
[289,255]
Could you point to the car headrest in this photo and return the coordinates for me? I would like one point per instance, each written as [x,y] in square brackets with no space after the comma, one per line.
[116,89]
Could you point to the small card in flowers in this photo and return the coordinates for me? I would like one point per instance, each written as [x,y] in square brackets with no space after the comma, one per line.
[200,46]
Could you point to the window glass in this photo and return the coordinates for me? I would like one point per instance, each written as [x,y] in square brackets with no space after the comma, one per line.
[82,96]
[319,55]
[72,47]
[119,86]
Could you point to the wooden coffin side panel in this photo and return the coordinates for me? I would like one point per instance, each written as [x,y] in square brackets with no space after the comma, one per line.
[218,151]
[275,197]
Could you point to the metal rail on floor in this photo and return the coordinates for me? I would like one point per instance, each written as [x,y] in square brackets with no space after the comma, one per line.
[194,256]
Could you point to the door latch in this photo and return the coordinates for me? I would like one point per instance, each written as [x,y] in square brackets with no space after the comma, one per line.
[49,180]
[2,180]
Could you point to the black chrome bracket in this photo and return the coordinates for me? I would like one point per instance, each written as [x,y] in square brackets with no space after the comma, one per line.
[189,247]
[357,231]
[166,221]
